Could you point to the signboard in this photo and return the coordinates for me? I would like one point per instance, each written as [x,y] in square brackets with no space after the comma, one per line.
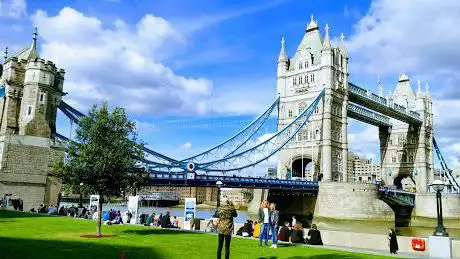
[93,202]
[133,207]
[189,212]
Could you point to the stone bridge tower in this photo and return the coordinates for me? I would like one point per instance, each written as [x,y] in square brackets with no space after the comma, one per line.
[322,143]
[407,149]
[32,91]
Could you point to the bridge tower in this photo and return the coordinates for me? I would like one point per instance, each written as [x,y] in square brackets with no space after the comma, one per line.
[407,149]
[33,90]
[322,144]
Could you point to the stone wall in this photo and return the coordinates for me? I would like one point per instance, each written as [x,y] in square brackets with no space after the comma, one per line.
[25,165]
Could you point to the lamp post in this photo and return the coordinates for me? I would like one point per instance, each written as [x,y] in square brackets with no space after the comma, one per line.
[440,230]
[218,184]
[80,203]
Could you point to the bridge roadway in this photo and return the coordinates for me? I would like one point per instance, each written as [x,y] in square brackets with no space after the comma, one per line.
[380,104]
[389,195]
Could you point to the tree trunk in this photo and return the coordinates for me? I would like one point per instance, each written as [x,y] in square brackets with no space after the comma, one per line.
[99,216]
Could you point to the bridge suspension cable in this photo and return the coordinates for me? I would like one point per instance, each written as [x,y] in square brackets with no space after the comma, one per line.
[237,153]
[455,185]
[263,150]
[234,143]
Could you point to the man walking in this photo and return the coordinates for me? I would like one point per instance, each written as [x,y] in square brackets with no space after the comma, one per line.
[225,227]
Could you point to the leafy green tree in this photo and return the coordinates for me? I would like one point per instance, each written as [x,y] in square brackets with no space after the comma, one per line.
[103,156]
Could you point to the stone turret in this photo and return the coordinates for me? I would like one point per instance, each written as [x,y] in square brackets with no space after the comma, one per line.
[33,90]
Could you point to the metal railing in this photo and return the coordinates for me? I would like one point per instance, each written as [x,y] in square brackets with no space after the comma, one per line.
[382,101]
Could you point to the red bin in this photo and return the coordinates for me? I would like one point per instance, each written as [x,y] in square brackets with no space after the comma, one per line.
[418,244]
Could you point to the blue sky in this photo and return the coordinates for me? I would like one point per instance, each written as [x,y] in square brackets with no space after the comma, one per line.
[192,73]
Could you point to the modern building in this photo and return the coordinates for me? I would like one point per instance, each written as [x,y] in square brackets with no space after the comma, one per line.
[202,194]
[239,197]
[363,170]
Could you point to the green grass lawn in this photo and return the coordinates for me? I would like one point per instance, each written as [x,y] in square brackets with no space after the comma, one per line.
[24,235]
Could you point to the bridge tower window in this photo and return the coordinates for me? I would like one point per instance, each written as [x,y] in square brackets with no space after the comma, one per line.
[312,77]
[306,79]
[294,81]
[393,159]
[290,113]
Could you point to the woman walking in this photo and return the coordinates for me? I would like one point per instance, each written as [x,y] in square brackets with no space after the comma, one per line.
[393,241]
[274,217]
[264,219]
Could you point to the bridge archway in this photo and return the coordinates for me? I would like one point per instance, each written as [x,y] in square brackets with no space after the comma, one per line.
[302,166]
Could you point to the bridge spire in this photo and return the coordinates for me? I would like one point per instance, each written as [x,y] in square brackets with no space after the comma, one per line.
[313,25]
[419,89]
[327,41]
[426,89]
[5,57]
[379,86]
[282,57]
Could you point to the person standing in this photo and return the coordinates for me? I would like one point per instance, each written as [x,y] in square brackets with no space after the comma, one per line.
[393,241]
[274,217]
[225,226]
[264,219]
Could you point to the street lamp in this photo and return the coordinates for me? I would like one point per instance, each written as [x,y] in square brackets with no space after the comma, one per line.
[438,186]
[218,184]
[80,204]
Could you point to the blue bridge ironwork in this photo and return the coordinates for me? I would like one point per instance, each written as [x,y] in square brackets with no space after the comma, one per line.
[242,151]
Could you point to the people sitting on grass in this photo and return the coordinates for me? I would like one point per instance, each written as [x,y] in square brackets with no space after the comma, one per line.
[166,220]
[256,232]
[285,232]
[246,230]
[159,220]
[175,222]
[297,234]
[314,236]
[149,221]
[52,210]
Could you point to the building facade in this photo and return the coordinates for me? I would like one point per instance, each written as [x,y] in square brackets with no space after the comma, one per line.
[363,170]
[202,194]
[322,143]
[32,89]
[239,197]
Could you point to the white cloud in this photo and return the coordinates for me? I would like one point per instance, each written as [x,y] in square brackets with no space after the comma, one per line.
[364,142]
[120,64]
[13,8]
[419,37]
[186,145]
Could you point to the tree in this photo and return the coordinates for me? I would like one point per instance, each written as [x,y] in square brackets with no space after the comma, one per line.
[103,155]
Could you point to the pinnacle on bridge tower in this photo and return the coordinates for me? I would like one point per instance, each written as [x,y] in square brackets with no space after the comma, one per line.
[282,57]
[379,86]
[313,25]
[283,60]
[426,90]
[419,89]
[327,41]
[5,57]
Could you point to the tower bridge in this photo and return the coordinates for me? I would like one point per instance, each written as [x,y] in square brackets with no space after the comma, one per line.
[313,104]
